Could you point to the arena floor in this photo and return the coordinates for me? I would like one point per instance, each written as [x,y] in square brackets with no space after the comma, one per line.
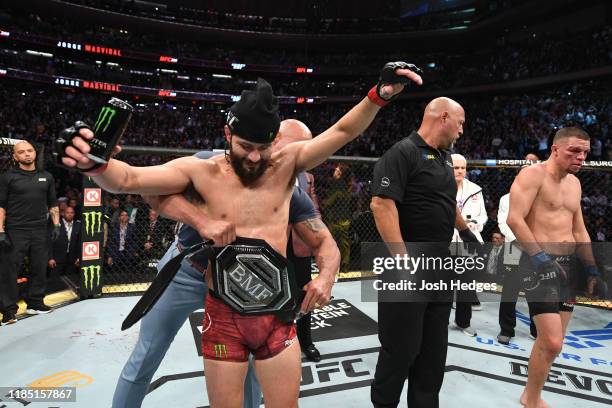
[81,345]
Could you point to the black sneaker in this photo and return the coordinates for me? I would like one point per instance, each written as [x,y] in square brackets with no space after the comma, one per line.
[38,309]
[8,318]
[311,353]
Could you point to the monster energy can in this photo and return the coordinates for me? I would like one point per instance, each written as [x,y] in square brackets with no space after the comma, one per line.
[108,129]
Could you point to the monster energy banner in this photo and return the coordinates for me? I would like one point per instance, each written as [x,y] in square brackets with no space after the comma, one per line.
[92,222]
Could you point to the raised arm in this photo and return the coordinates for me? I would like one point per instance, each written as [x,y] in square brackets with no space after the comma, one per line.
[522,195]
[172,177]
[314,152]
[119,177]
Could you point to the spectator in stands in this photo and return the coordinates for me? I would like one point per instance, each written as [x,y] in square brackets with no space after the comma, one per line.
[113,210]
[157,236]
[338,210]
[62,204]
[122,248]
[64,254]
[495,258]
[470,203]
[490,226]
[74,204]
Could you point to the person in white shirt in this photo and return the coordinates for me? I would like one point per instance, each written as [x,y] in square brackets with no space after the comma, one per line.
[470,202]
[511,284]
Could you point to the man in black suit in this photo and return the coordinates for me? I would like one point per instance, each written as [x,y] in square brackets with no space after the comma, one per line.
[156,236]
[122,249]
[64,254]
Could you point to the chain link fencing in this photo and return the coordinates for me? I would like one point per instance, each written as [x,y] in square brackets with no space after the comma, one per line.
[136,237]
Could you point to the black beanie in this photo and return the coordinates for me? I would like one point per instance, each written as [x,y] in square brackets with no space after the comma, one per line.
[255,116]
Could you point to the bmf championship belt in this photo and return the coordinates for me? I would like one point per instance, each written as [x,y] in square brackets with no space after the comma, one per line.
[248,275]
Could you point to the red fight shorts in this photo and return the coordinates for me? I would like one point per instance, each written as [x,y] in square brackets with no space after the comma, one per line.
[229,336]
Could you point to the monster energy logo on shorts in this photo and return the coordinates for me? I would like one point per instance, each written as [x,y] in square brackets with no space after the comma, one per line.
[104,119]
[89,272]
[92,219]
[220,350]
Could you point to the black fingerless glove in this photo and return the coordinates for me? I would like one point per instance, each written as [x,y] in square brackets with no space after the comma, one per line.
[64,141]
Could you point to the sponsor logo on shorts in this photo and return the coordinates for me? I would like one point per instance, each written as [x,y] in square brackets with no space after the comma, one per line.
[220,351]
[289,342]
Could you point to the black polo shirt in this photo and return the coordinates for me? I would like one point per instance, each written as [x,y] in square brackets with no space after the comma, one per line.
[421,180]
[26,197]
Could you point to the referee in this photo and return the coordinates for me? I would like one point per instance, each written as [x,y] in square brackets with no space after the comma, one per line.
[414,200]
[27,195]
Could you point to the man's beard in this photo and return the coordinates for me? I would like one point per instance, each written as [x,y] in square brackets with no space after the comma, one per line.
[247,176]
[25,162]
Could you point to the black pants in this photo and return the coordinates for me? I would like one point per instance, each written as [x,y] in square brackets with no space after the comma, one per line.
[463,311]
[507,307]
[63,268]
[465,299]
[301,267]
[33,244]
[414,340]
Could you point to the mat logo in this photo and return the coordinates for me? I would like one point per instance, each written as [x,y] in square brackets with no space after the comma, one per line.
[337,371]
[582,339]
[491,342]
[91,251]
[220,351]
[93,197]
[574,381]
[89,273]
[104,119]
[93,222]
[69,378]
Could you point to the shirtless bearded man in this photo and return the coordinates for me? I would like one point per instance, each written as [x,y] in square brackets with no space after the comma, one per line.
[250,189]
[546,217]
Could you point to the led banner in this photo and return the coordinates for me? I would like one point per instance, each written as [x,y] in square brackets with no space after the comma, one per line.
[109,87]
[113,51]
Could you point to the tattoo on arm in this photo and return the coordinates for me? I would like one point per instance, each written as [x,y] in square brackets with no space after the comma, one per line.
[315,224]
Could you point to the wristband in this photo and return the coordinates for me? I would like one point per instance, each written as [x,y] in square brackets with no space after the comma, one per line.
[591,270]
[540,259]
[374,97]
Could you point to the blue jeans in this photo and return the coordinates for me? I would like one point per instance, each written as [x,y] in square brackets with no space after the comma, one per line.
[185,294]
